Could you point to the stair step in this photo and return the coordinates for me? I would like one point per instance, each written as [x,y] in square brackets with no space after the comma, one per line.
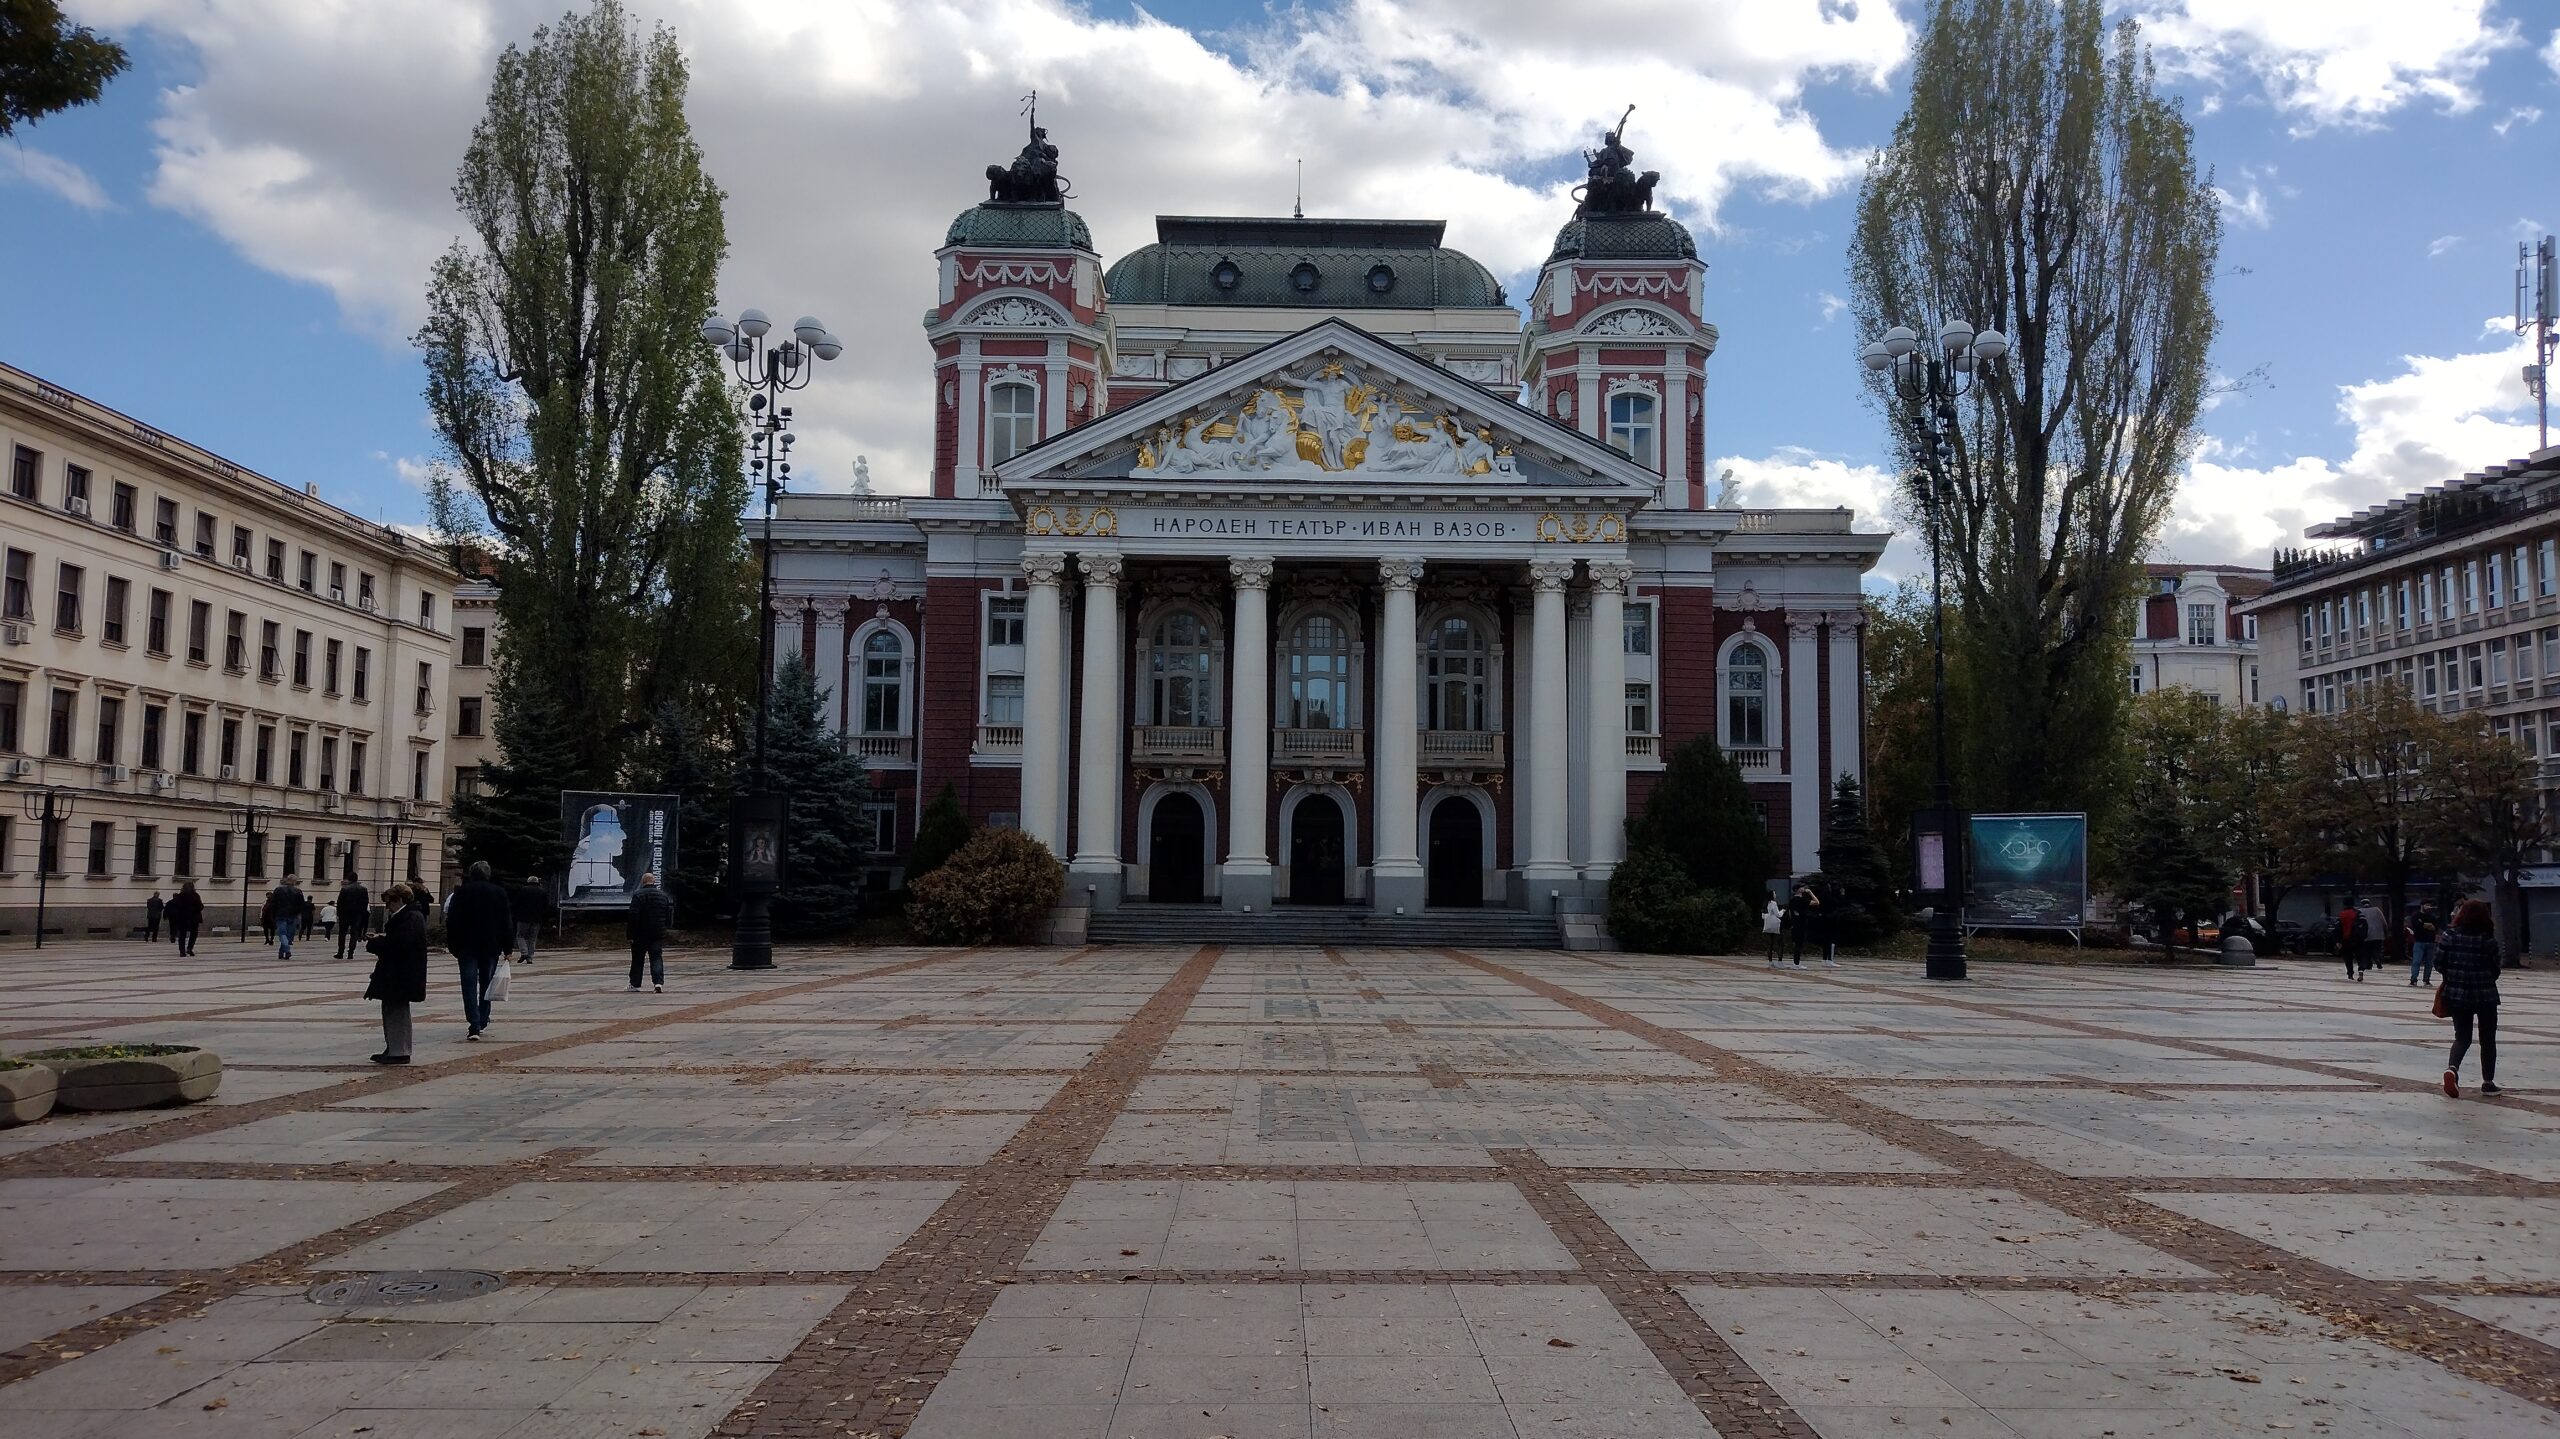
[1165,923]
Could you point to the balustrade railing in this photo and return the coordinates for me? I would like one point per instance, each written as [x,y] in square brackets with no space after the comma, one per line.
[1160,742]
[1318,746]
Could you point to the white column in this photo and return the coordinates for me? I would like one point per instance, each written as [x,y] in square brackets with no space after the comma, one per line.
[1847,703]
[1396,880]
[1102,741]
[1549,720]
[1675,431]
[1577,716]
[1044,704]
[1053,399]
[786,632]
[830,663]
[1606,686]
[968,439]
[1246,876]
[1804,745]
[1586,400]
[1524,780]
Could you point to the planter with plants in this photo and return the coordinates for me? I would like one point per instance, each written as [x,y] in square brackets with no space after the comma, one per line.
[130,1076]
[26,1092]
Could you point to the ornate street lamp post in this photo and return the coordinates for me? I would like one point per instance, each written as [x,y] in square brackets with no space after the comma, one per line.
[253,835]
[758,817]
[1928,377]
[48,809]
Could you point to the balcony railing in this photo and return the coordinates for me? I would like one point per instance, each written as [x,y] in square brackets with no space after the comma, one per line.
[1178,742]
[999,739]
[1752,759]
[1318,746]
[1461,749]
[882,748]
[1644,746]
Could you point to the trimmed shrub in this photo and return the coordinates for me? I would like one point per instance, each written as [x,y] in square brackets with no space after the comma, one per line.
[998,889]
[1654,909]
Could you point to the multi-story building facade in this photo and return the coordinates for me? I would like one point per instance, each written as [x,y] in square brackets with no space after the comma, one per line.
[471,737]
[1285,561]
[2454,594]
[220,678]
[2190,633]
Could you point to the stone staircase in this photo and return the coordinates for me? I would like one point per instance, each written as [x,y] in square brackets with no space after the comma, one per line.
[1345,927]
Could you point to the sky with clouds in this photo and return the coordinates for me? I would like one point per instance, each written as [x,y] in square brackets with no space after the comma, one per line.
[233,244]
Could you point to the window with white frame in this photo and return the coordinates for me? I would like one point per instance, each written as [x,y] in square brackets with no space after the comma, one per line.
[2546,569]
[2306,629]
[2137,676]
[1179,684]
[1004,620]
[2400,606]
[1012,420]
[1640,709]
[884,683]
[2426,599]
[1632,425]
[1637,619]
[2200,624]
[1457,666]
[1746,696]
[883,817]
[1316,674]
[1004,699]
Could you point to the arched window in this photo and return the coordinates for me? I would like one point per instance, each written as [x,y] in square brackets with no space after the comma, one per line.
[1631,425]
[1011,426]
[1746,697]
[1456,662]
[1316,675]
[1180,686]
[884,683]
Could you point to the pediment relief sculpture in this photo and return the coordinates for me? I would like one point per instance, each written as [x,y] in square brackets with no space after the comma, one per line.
[1333,420]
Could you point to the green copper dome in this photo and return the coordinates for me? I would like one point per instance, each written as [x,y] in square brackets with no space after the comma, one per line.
[1623,237]
[1312,264]
[1029,227]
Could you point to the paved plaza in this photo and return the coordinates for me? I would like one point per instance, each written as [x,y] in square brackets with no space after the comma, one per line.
[1175,1193]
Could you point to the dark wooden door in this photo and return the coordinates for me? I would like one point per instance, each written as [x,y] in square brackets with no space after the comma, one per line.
[1315,851]
[1178,852]
[1456,864]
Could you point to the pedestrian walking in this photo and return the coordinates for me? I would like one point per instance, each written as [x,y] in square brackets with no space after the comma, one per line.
[185,914]
[2377,934]
[531,903]
[152,909]
[479,931]
[267,918]
[1773,923]
[355,917]
[1800,914]
[329,920]
[399,970]
[2422,945]
[286,901]
[652,915]
[2351,938]
[1826,925]
[2467,956]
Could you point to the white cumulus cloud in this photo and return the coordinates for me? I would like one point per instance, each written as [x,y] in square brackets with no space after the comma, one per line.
[2333,62]
[319,140]
[1794,477]
[51,172]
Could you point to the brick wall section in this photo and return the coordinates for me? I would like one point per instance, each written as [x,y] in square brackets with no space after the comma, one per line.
[1685,662]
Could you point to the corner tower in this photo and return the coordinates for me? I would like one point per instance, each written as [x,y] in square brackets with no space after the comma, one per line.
[1021,335]
[1617,340]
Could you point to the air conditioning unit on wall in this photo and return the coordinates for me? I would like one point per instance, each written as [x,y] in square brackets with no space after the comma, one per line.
[231,771]
[78,505]
[14,633]
[20,768]
[169,560]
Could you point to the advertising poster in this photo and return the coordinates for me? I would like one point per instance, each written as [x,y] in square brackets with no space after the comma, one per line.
[2030,871]
[613,840]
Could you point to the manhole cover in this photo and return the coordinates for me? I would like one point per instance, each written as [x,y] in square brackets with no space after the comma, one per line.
[406,1286]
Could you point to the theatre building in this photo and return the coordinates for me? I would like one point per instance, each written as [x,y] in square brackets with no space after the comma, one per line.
[1286,563]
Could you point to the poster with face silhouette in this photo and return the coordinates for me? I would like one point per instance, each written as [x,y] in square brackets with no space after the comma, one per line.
[2030,871]
[613,840]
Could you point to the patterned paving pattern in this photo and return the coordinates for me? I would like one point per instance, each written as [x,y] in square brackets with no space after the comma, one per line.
[1290,1192]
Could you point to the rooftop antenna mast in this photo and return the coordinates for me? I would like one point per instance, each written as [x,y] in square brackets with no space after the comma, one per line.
[2538,310]
[1298,207]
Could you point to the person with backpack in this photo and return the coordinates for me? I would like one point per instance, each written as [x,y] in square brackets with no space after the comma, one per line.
[2467,957]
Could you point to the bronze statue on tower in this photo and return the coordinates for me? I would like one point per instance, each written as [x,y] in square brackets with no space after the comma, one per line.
[1032,178]
[1613,186]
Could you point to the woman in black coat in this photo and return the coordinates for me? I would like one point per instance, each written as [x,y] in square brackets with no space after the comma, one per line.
[2467,957]
[185,913]
[399,970]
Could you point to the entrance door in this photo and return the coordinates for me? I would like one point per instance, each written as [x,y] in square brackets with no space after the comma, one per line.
[1177,851]
[1457,856]
[1315,851]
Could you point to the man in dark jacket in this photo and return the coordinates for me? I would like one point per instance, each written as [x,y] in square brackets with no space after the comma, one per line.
[152,909]
[479,929]
[652,914]
[185,912]
[285,902]
[399,970]
[531,902]
[355,917]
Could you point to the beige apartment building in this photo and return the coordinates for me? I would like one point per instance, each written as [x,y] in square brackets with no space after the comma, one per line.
[2452,593]
[2189,632]
[471,739]
[214,677]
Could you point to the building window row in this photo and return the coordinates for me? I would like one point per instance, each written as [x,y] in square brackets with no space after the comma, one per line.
[181,852]
[305,766]
[2448,592]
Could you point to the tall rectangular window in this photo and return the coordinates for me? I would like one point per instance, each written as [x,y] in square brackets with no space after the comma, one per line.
[1636,624]
[13,700]
[204,535]
[266,754]
[2497,580]
[23,463]
[2471,587]
[182,853]
[102,841]
[124,504]
[119,600]
[1012,421]
[270,651]
[355,766]
[364,590]
[364,667]
[18,598]
[110,746]
[75,489]
[418,775]
[275,561]
[329,667]
[467,718]
[1632,426]
[155,725]
[292,856]
[426,687]
[2426,599]
[222,854]
[1004,620]
[2200,624]
[1639,708]
[235,643]
[475,646]
[164,521]
[337,581]
[1004,699]
[297,748]
[199,630]
[2400,606]
[2546,568]
[240,546]
[155,634]
[146,844]
[68,581]
[329,762]
[57,730]
[309,578]
[230,747]
[426,609]
[302,659]
[191,742]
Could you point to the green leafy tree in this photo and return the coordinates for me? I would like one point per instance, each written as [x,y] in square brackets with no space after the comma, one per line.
[830,830]
[1901,753]
[514,820]
[2380,783]
[998,889]
[2167,868]
[2039,184]
[2495,821]
[1701,816]
[587,431]
[940,831]
[1861,904]
[49,64]
[1654,908]
[683,761]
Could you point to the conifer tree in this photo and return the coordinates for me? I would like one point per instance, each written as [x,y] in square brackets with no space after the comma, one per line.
[940,831]
[830,831]
[513,821]
[1702,816]
[1861,880]
[684,763]
[2168,869]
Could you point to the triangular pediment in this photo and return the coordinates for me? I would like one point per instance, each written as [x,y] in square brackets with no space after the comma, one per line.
[1332,405]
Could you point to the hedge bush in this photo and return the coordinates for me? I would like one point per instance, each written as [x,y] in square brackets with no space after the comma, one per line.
[998,889]
[1654,909]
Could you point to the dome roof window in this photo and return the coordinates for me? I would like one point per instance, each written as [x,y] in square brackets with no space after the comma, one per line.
[1225,275]
[1382,278]
[1306,277]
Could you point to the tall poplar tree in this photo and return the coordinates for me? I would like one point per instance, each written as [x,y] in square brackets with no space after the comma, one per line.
[2040,185]
[587,429]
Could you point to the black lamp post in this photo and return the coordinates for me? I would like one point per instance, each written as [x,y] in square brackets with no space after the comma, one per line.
[757,819]
[1928,377]
[252,839]
[48,809]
